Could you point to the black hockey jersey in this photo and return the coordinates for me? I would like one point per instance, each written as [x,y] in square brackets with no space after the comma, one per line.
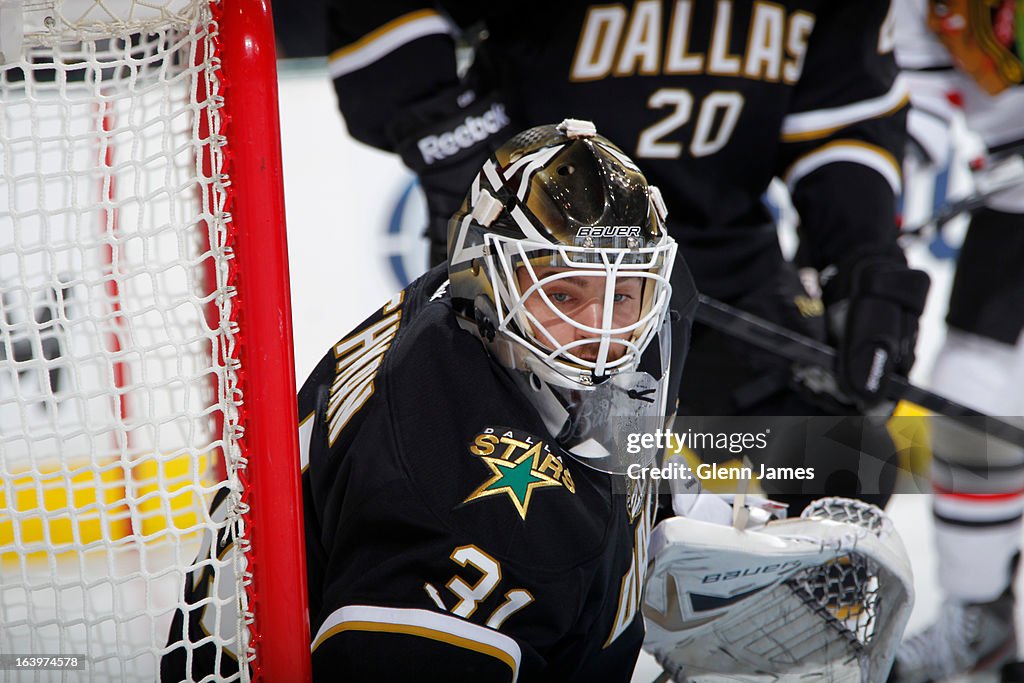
[192,654]
[449,537]
[712,98]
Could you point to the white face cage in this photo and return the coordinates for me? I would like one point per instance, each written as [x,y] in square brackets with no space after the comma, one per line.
[572,362]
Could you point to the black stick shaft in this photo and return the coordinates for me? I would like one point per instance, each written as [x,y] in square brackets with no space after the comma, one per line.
[798,348]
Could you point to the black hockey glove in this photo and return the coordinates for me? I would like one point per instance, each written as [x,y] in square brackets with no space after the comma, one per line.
[873,301]
[445,141]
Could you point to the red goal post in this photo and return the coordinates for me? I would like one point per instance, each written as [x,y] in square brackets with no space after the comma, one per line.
[146,358]
[278,590]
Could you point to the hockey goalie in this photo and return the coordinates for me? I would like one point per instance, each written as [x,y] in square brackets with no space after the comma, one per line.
[822,597]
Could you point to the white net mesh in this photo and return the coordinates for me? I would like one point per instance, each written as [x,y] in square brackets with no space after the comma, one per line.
[46,22]
[118,398]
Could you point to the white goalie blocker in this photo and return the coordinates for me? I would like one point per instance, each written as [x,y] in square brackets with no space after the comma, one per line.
[823,597]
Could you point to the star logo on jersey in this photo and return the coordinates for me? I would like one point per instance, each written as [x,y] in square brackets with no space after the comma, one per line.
[519,464]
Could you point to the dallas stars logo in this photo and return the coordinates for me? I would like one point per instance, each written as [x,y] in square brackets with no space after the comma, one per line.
[524,466]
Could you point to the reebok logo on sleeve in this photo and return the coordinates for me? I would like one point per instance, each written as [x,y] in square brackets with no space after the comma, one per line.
[472,130]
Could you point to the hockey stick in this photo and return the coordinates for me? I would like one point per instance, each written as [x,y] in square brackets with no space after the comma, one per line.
[951,211]
[1011,177]
[797,348]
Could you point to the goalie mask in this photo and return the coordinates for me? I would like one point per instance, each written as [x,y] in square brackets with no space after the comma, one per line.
[560,262]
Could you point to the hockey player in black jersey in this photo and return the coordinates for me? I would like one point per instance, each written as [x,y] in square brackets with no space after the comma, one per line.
[465,514]
[461,520]
[713,99]
[466,517]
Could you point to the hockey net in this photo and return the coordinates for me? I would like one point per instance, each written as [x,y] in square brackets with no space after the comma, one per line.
[128,204]
[821,598]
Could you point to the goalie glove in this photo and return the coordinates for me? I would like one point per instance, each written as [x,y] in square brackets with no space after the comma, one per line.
[445,140]
[824,597]
[873,302]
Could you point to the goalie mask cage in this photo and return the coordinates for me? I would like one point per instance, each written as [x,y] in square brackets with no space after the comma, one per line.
[145,341]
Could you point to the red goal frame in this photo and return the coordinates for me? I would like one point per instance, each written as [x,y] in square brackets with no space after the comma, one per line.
[277,593]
